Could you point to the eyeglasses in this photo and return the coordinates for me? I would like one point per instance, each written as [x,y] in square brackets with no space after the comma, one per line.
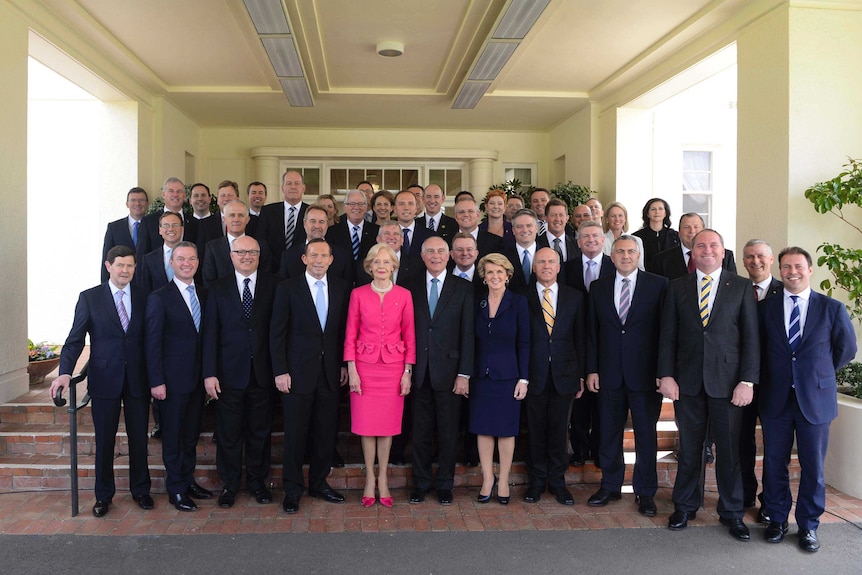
[170,226]
[242,253]
[354,204]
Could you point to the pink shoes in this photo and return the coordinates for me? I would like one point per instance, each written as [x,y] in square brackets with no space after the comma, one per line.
[386,501]
[370,501]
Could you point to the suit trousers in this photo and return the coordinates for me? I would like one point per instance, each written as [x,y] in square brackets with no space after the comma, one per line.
[244,419]
[432,410]
[310,424]
[181,415]
[748,447]
[106,419]
[547,423]
[645,407]
[811,443]
[584,434]
[694,414]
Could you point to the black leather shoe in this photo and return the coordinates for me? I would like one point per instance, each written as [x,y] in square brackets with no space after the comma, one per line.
[486,498]
[737,530]
[444,496]
[533,494]
[418,495]
[601,497]
[101,508]
[182,502]
[710,456]
[144,501]
[678,520]
[156,433]
[327,494]
[197,492]
[763,516]
[775,532]
[808,540]
[563,496]
[290,504]
[227,498]
[646,505]
[262,495]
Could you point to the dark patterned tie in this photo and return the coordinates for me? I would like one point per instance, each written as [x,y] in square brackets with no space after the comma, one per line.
[290,228]
[135,228]
[430,223]
[406,246]
[794,331]
[247,299]
[355,242]
[121,310]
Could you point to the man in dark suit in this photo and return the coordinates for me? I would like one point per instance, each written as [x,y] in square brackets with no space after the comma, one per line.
[757,259]
[280,224]
[200,200]
[623,326]
[581,271]
[316,224]
[237,370]
[353,233]
[525,228]
[113,315]
[217,260]
[413,234]
[173,194]
[256,192]
[709,362]
[806,338]
[443,309]
[434,219]
[215,227]
[677,262]
[125,231]
[557,214]
[557,352]
[307,344]
[173,352]
[155,267]
[467,216]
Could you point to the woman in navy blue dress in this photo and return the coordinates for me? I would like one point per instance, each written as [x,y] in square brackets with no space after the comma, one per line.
[500,380]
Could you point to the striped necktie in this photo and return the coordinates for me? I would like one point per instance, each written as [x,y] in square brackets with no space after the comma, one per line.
[355,242]
[794,330]
[625,300]
[548,310]
[430,223]
[196,307]
[121,309]
[290,228]
[705,288]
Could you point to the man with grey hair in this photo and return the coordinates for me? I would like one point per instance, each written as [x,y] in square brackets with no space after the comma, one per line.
[173,194]
[353,233]
[525,226]
[677,261]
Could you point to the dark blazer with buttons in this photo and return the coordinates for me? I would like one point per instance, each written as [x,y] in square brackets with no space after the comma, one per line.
[149,238]
[232,344]
[488,243]
[340,235]
[518,283]
[625,355]
[509,331]
[828,343]
[150,271]
[270,227]
[115,356]
[173,344]
[671,263]
[575,272]
[447,229]
[563,350]
[292,266]
[419,235]
[717,357]
[298,344]
[444,342]
[217,263]
[117,234]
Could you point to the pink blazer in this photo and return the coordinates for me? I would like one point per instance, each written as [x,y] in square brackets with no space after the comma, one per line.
[380,331]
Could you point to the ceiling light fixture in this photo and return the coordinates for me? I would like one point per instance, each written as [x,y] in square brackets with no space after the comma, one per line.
[390,48]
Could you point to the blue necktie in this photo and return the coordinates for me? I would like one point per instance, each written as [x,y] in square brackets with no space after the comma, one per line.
[196,307]
[406,246]
[435,295]
[465,276]
[794,330]
[320,304]
[247,299]
[355,241]
[430,223]
[526,265]
[135,227]
[169,271]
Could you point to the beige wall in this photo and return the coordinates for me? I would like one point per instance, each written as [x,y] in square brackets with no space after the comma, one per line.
[574,140]
[13,190]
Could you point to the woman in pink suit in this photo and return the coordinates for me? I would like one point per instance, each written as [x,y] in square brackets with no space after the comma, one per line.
[380,350]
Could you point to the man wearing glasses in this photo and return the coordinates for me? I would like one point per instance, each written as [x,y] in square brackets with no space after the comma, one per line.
[353,233]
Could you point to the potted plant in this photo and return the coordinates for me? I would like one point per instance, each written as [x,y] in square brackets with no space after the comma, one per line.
[43,359]
[573,194]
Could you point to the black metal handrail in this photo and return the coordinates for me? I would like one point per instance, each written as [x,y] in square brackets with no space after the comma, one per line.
[73,429]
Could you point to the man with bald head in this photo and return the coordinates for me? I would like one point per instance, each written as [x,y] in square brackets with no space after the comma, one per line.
[596,208]
[434,219]
[581,214]
[217,260]
[281,224]
[237,370]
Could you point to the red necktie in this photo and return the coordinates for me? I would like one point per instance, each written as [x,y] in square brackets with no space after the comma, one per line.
[691,265]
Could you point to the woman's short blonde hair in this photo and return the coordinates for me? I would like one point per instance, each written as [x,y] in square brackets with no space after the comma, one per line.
[374,252]
[497,260]
[606,225]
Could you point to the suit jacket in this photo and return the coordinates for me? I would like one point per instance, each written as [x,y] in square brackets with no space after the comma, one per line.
[444,342]
[389,337]
[217,263]
[447,229]
[717,357]
[419,235]
[518,283]
[117,234]
[488,243]
[150,273]
[299,346]
[173,344]
[775,287]
[625,355]
[408,268]
[270,227]
[573,252]
[575,272]
[232,344]
[340,235]
[115,356]
[671,263]
[503,345]
[828,343]
[149,238]
[292,266]
[562,352]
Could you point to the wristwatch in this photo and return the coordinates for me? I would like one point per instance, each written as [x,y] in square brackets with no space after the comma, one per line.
[747,383]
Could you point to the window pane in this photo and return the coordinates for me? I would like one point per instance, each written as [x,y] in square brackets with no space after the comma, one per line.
[337,179]
[453,182]
[437,177]
[699,204]
[392,180]
[409,177]
[375,176]
[354,177]
[696,182]
[311,177]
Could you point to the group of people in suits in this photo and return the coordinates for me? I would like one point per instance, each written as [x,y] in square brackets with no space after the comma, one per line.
[460,320]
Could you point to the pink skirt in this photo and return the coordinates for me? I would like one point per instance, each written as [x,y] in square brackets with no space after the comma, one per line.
[378,411]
